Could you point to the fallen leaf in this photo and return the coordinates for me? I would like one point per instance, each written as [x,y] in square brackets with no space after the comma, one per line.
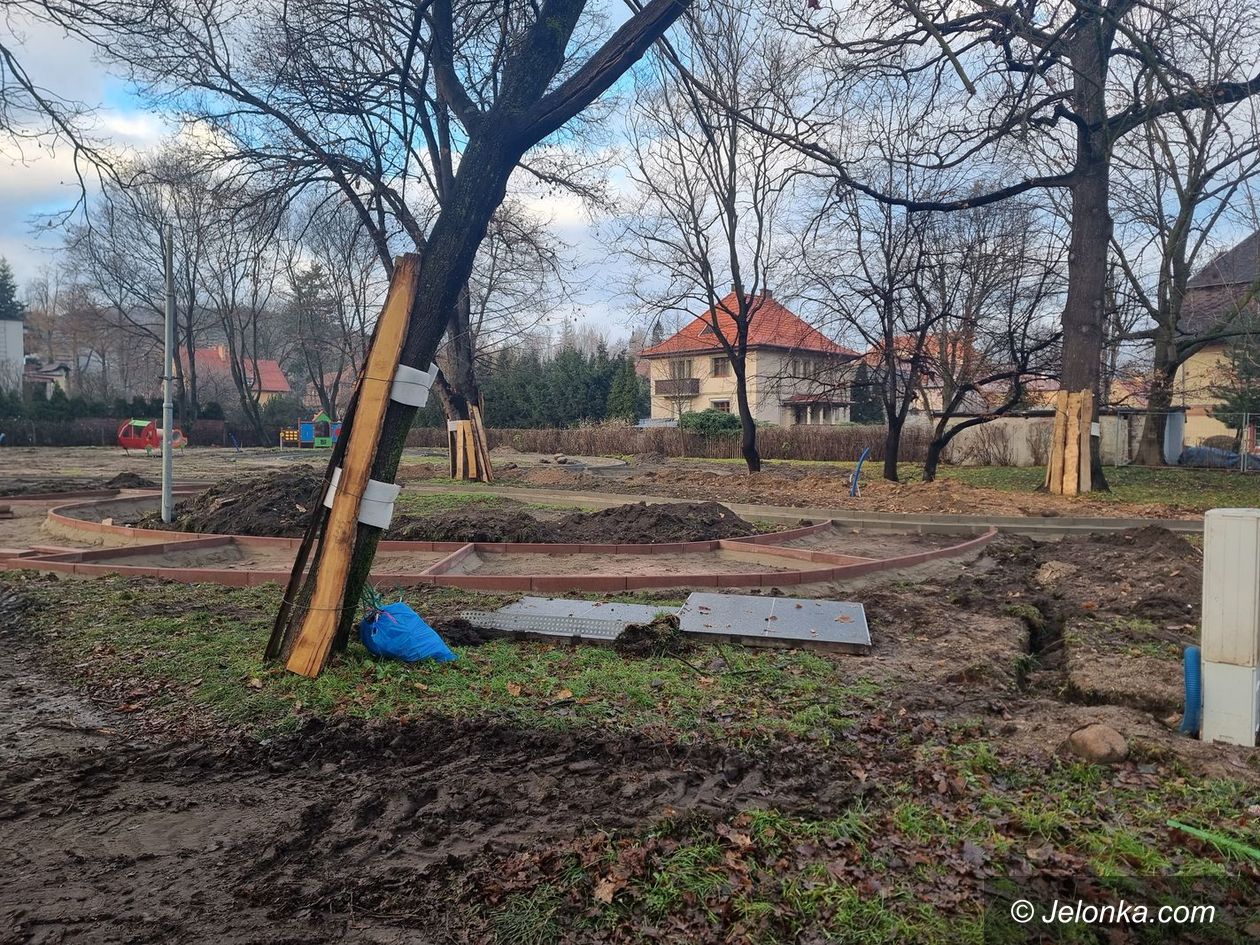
[514,689]
[254,683]
[564,694]
[421,686]
[606,888]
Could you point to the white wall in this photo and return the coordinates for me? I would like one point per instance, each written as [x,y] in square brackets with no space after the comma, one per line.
[12,355]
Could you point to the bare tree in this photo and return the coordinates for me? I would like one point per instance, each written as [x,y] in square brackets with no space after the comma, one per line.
[711,192]
[1178,181]
[1058,84]
[116,251]
[864,273]
[991,276]
[243,257]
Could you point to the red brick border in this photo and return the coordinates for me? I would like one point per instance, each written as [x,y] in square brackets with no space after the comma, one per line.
[96,561]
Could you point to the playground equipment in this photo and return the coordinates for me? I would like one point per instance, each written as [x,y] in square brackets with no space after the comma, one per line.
[146,435]
[318,433]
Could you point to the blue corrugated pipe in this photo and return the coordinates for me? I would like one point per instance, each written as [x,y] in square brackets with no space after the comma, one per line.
[1193,717]
[853,484]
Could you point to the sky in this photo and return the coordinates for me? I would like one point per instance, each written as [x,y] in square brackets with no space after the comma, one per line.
[37,181]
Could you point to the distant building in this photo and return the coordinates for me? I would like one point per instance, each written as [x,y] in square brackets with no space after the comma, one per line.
[795,373]
[12,354]
[214,376]
[1229,284]
[39,380]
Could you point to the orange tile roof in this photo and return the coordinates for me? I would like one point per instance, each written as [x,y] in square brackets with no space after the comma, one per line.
[213,361]
[771,325]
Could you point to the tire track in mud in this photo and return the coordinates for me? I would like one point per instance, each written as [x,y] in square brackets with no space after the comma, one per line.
[343,829]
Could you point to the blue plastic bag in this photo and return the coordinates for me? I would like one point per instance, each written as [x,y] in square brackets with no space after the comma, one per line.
[397,632]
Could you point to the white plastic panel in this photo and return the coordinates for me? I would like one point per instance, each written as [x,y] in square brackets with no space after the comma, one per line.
[1231,703]
[1231,587]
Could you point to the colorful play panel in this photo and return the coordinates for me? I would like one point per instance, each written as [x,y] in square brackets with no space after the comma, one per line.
[811,554]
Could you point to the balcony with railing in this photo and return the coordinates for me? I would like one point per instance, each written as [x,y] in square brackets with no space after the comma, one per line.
[678,387]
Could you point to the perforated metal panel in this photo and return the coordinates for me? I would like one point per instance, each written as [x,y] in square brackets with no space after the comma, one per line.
[559,617]
[777,621]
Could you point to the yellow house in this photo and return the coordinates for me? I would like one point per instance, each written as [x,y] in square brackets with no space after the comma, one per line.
[795,372]
[1225,286]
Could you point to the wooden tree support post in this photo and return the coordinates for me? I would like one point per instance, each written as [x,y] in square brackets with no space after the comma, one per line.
[1069,470]
[319,626]
[469,456]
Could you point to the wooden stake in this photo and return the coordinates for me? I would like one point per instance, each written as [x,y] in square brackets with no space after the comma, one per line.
[314,640]
[1085,474]
[482,443]
[1054,474]
[1072,446]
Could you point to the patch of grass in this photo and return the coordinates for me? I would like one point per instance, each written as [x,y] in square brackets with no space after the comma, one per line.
[199,647]
[1191,489]
[529,919]
[691,871]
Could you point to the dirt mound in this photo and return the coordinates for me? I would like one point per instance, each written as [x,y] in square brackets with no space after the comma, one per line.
[643,523]
[130,480]
[661,637]
[275,504]
[476,522]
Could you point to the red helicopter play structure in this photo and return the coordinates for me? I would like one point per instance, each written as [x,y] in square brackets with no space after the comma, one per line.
[146,435]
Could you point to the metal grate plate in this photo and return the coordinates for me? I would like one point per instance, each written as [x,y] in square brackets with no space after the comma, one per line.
[559,617]
[777,621]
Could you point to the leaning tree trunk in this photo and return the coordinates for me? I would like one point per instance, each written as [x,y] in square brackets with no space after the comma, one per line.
[748,426]
[448,260]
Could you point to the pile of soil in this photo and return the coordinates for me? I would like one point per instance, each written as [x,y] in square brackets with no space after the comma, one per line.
[279,503]
[641,523]
[1146,572]
[270,504]
[478,521]
[661,637]
[1107,615]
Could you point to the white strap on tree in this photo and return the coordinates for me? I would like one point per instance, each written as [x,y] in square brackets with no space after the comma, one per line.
[376,508]
[411,385]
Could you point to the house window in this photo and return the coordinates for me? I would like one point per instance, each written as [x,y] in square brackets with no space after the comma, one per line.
[680,369]
[722,405]
[721,367]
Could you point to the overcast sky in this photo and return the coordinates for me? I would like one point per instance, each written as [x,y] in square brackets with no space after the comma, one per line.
[35,181]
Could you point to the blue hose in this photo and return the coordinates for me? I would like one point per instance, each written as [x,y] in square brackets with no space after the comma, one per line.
[1193,717]
[853,486]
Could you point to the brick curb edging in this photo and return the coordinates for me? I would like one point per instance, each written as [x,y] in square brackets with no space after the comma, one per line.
[834,566]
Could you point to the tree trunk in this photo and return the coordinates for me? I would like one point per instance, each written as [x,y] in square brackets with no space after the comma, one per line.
[1083,315]
[1150,451]
[478,189]
[892,446]
[940,439]
[748,426]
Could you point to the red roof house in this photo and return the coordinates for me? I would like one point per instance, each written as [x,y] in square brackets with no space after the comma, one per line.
[793,369]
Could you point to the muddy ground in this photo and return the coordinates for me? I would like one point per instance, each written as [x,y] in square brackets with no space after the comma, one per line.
[279,503]
[343,832]
[138,827]
[35,486]
[820,486]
